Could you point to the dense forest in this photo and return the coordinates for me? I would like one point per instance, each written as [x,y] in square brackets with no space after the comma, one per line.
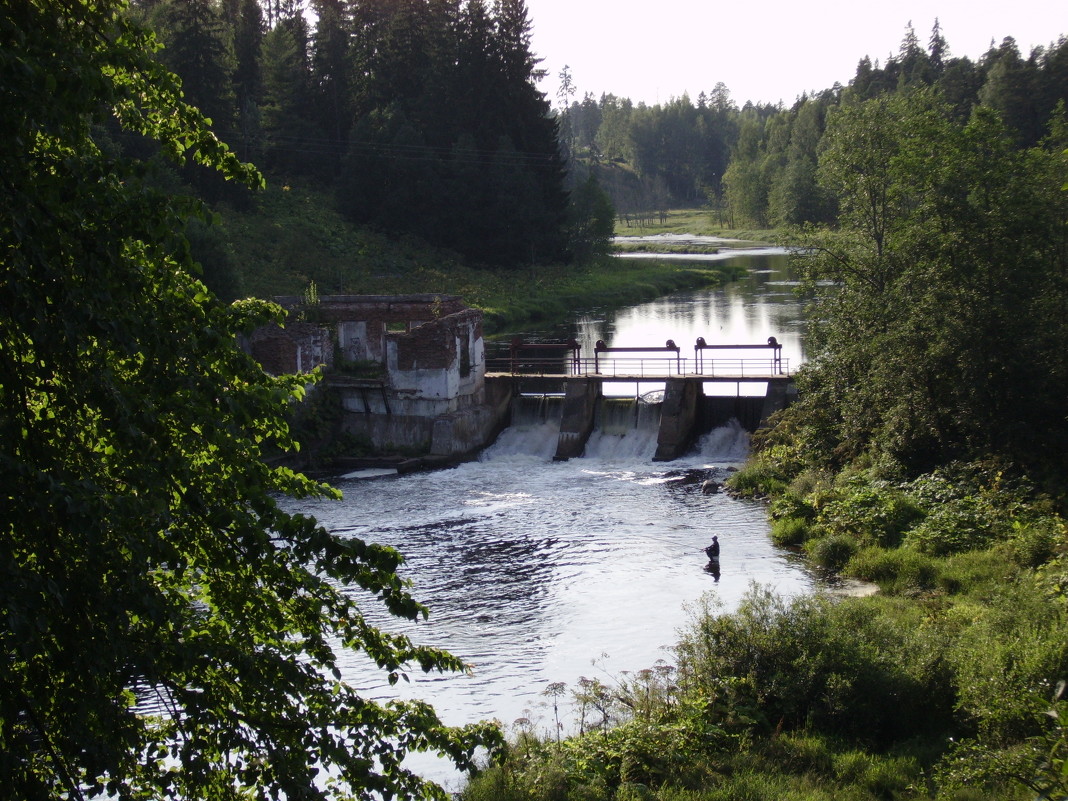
[756,165]
[424,119]
[417,118]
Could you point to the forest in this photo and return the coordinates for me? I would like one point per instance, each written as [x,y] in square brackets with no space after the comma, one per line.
[418,118]
[756,165]
[170,631]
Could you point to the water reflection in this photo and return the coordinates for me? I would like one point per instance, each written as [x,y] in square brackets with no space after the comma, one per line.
[746,311]
[538,571]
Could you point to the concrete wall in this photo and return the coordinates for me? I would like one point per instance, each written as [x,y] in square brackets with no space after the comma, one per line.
[409,370]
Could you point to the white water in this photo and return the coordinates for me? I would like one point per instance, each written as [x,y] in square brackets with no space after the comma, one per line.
[535,570]
[538,571]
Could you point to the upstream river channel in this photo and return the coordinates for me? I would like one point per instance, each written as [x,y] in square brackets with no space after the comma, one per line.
[538,571]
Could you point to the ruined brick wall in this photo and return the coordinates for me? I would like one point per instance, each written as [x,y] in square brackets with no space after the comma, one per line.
[299,347]
[430,393]
[352,327]
[444,358]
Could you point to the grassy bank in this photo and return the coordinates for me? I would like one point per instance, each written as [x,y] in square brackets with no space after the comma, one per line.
[947,684]
[292,239]
[699,221]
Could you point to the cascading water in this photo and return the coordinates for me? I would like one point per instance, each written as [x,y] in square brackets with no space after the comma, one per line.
[624,428]
[538,571]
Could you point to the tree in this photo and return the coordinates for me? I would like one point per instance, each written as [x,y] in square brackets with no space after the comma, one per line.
[331,72]
[288,130]
[744,181]
[941,293]
[247,22]
[592,220]
[198,50]
[168,630]
[1010,87]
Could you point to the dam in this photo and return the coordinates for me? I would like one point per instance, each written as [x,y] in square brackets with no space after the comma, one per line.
[410,374]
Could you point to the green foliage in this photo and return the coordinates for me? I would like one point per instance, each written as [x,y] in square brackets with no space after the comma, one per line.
[768,473]
[960,525]
[811,663]
[428,155]
[895,571]
[832,552]
[913,313]
[870,514]
[787,531]
[168,630]
[591,222]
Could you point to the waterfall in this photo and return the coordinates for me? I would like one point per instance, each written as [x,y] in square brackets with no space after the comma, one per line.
[534,430]
[624,428]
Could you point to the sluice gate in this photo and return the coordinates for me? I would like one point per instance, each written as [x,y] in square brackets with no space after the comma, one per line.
[683,411]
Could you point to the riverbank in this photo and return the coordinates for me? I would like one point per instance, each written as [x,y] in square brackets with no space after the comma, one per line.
[948,684]
[291,239]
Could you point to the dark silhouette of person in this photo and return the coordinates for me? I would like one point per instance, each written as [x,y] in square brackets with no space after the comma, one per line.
[712,551]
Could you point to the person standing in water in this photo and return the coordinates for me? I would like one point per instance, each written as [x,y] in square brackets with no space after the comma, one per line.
[712,551]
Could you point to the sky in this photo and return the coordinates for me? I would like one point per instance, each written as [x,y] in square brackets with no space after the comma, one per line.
[765,51]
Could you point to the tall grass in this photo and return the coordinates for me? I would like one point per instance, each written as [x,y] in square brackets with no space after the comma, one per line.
[292,238]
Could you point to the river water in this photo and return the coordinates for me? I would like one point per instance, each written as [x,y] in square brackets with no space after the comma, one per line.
[538,571]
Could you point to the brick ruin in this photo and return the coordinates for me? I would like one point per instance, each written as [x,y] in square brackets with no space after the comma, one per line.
[409,370]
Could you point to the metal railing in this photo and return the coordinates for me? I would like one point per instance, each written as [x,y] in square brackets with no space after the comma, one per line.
[564,358]
[609,366]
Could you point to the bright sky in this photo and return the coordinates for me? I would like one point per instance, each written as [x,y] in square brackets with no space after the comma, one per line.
[764,51]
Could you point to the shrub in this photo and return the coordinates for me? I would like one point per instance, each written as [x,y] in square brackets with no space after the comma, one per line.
[1034,542]
[1009,658]
[895,571]
[962,524]
[791,504]
[832,553]
[810,662]
[871,514]
[757,479]
[789,531]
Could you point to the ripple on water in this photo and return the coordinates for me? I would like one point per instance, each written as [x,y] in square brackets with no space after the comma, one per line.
[538,571]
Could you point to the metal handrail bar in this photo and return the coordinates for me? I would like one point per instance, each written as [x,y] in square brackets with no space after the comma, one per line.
[702,346]
[642,367]
[517,346]
[600,347]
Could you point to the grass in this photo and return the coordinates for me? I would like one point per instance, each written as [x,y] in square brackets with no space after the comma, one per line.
[292,238]
[699,221]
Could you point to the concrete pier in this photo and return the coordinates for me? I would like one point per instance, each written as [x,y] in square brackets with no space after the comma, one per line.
[580,402]
[678,418]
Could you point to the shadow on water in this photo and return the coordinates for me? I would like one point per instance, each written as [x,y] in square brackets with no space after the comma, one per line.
[538,571]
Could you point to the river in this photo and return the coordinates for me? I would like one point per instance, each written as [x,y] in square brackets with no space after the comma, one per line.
[538,571]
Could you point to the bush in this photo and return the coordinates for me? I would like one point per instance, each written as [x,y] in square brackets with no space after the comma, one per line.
[1008,659]
[895,571]
[789,531]
[791,504]
[757,479]
[871,514]
[1034,542]
[962,524]
[811,662]
[832,553]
